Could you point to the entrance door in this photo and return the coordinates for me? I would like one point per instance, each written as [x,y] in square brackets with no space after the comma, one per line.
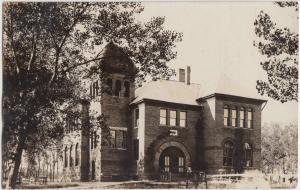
[172,160]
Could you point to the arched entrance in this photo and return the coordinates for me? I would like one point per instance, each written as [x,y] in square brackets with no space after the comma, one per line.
[172,157]
[172,160]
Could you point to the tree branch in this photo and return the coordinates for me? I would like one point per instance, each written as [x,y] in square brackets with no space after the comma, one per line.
[58,50]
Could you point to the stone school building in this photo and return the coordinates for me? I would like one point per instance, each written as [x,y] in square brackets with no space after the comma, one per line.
[165,126]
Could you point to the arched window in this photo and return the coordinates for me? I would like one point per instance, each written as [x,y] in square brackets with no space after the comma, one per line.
[248,155]
[250,118]
[118,88]
[228,153]
[127,87]
[71,156]
[66,156]
[226,116]
[76,155]
[242,117]
[233,117]
[109,84]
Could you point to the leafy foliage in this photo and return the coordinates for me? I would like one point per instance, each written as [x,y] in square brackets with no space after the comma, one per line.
[280,46]
[279,142]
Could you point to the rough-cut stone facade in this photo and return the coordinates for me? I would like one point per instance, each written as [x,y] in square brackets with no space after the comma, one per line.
[141,142]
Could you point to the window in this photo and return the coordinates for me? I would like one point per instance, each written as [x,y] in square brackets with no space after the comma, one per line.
[66,157]
[181,164]
[163,117]
[95,139]
[118,88]
[109,84]
[249,123]
[76,155]
[167,163]
[136,148]
[228,153]
[91,92]
[248,155]
[71,156]
[92,140]
[226,116]
[67,125]
[113,139]
[137,117]
[233,117]
[77,122]
[127,87]
[172,118]
[124,139]
[182,119]
[70,123]
[242,117]
[95,89]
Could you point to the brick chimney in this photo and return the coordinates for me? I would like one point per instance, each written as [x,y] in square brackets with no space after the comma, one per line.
[188,75]
[181,75]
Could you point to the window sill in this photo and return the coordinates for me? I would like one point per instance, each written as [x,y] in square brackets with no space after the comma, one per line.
[116,148]
[231,127]
[177,126]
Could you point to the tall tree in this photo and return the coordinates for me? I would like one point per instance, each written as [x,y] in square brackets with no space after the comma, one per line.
[47,48]
[279,148]
[280,46]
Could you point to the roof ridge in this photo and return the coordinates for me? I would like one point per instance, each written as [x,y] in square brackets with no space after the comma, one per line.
[178,81]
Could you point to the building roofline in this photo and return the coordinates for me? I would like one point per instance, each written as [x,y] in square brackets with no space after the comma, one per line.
[165,102]
[231,96]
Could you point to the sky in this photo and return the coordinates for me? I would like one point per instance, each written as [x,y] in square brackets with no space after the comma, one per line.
[218,45]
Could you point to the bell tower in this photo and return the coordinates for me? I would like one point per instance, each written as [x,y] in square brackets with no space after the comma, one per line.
[117,83]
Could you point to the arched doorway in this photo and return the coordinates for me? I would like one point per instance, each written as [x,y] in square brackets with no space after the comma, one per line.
[172,160]
[172,156]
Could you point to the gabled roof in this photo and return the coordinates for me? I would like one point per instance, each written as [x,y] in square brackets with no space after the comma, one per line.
[169,91]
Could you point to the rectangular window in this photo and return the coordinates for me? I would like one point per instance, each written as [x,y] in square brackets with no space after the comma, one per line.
[92,140]
[137,117]
[249,125]
[96,88]
[124,139]
[67,125]
[76,122]
[181,164]
[91,91]
[167,163]
[242,118]
[113,139]
[172,118]
[226,116]
[182,117]
[95,139]
[233,118]
[163,117]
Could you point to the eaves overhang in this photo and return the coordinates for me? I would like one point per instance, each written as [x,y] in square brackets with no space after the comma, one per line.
[238,98]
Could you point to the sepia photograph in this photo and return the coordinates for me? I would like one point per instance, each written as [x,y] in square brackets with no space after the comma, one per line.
[149,95]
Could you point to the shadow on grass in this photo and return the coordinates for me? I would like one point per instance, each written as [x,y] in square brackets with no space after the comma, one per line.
[49,186]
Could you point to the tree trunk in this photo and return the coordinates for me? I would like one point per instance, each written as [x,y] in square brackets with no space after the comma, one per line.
[17,161]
